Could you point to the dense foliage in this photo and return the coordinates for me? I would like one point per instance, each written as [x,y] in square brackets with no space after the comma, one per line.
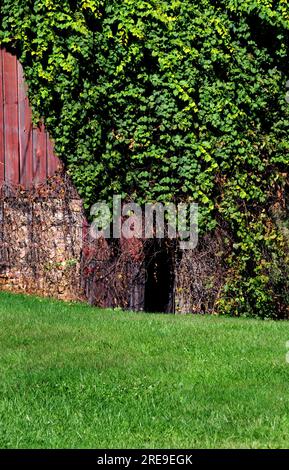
[173,100]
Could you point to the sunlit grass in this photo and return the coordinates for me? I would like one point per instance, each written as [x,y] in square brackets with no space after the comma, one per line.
[76,376]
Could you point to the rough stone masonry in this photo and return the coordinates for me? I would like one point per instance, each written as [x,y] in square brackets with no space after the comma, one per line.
[41,239]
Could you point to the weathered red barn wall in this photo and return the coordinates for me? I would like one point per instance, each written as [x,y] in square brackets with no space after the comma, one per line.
[26,151]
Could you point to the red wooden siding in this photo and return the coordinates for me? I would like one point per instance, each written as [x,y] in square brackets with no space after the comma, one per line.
[2,143]
[11,135]
[52,160]
[26,151]
[39,154]
[25,132]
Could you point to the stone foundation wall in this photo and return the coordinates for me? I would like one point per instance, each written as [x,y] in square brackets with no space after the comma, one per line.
[46,249]
[200,276]
[41,240]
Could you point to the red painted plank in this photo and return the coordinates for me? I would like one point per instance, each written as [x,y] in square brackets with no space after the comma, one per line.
[52,160]
[39,154]
[11,118]
[25,132]
[26,153]
[2,148]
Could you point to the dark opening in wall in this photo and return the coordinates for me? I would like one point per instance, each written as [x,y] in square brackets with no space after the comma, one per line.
[159,284]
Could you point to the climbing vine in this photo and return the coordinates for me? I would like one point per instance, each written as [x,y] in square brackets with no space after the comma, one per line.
[169,101]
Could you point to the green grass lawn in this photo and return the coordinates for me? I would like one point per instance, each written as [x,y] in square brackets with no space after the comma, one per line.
[76,376]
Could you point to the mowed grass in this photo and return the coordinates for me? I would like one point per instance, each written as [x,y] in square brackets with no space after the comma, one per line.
[73,376]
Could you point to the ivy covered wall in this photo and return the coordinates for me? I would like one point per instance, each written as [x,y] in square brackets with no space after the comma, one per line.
[169,101]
